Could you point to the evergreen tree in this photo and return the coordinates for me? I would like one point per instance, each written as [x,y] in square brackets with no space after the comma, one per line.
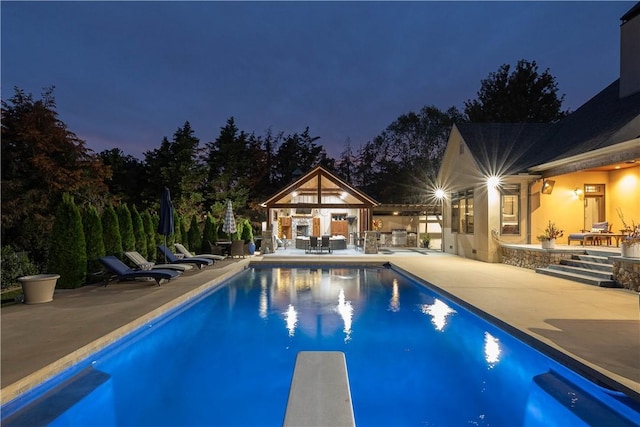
[176,165]
[111,229]
[208,234]
[195,239]
[184,234]
[138,232]
[524,96]
[177,235]
[126,169]
[126,228]
[95,239]
[247,231]
[68,253]
[150,234]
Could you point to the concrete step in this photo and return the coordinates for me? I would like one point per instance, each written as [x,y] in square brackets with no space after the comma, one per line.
[604,275]
[603,254]
[593,258]
[577,277]
[588,265]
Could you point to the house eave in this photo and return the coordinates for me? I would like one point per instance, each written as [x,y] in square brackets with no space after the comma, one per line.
[618,153]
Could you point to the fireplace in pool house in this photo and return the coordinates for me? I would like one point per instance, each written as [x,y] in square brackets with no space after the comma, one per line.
[302,230]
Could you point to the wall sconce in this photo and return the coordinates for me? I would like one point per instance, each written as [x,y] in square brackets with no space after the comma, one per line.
[547,186]
[493,181]
[577,192]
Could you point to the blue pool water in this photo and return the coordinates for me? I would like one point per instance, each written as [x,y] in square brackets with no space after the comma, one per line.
[413,358]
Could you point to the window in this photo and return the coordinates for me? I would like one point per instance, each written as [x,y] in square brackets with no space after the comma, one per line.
[462,212]
[510,209]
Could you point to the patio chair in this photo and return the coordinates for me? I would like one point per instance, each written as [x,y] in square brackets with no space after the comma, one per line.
[184,251]
[325,243]
[237,249]
[217,250]
[173,259]
[594,235]
[312,244]
[141,263]
[123,272]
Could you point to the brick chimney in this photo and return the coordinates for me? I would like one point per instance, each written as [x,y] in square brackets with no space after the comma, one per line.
[630,52]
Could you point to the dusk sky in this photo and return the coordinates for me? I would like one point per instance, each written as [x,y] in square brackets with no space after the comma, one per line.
[128,74]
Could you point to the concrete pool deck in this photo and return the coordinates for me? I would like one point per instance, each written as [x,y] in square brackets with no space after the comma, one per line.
[597,327]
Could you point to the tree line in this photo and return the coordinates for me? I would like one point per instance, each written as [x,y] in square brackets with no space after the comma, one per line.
[43,162]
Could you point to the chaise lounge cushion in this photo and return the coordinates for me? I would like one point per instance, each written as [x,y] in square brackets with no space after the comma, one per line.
[120,269]
[596,230]
[173,259]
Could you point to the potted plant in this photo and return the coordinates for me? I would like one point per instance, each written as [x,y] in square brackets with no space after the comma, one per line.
[551,233]
[630,246]
[426,241]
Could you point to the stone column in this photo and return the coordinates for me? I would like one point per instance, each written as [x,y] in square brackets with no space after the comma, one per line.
[370,242]
[266,246]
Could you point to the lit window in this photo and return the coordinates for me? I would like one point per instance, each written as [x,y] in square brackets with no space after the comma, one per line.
[462,212]
[510,209]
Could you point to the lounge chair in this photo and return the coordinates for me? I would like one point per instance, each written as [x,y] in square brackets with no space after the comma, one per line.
[142,263]
[123,272]
[173,259]
[237,248]
[599,231]
[184,251]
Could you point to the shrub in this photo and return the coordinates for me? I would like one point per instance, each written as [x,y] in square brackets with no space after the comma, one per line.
[126,228]
[138,232]
[111,230]
[150,233]
[184,235]
[247,231]
[195,239]
[68,250]
[208,234]
[94,237]
[13,265]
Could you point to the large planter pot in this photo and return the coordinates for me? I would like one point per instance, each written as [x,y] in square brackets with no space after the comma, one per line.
[548,244]
[38,288]
[252,248]
[630,250]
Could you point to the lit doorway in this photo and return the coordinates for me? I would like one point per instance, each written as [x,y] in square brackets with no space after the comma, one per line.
[594,207]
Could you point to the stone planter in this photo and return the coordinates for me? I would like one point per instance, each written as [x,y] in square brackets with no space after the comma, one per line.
[548,244]
[39,288]
[630,250]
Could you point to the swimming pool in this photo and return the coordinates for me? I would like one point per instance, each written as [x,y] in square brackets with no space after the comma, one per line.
[413,356]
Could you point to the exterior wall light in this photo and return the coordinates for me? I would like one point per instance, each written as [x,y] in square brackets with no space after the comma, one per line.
[547,186]
[493,181]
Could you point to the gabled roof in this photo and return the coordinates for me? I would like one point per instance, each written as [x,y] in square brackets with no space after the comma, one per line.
[510,148]
[318,183]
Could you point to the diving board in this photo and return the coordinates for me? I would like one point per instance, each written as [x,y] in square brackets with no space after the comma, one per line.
[319,393]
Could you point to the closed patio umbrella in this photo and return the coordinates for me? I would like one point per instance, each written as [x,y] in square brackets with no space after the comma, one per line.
[229,225]
[165,226]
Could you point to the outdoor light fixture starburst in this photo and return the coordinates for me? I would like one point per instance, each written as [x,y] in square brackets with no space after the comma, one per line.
[493,181]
